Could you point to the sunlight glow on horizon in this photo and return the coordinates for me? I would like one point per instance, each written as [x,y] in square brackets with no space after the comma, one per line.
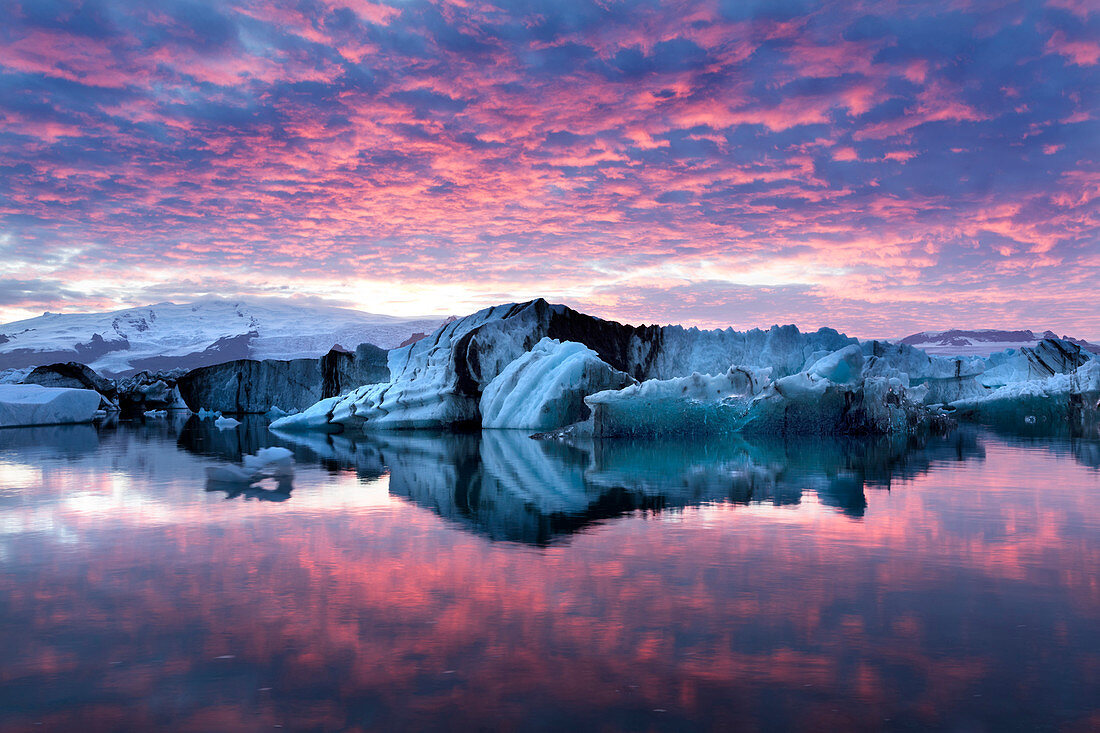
[880,170]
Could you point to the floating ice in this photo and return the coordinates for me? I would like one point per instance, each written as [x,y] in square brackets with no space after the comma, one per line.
[30,404]
[545,388]
[527,366]
[439,381]
[312,418]
[1045,359]
[695,404]
[275,413]
[226,423]
[743,400]
[1057,400]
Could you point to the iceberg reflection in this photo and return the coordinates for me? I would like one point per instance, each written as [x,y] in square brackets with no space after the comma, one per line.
[505,485]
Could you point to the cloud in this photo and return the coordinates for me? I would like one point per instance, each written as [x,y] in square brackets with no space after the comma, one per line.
[818,159]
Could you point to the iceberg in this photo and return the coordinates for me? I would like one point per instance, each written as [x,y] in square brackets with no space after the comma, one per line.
[831,397]
[439,381]
[542,367]
[1059,400]
[697,404]
[32,404]
[545,388]
[1046,359]
[316,417]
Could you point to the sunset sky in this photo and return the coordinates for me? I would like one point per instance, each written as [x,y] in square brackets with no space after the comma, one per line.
[878,167]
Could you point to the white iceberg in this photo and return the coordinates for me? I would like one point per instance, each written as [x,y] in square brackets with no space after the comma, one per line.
[31,404]
[315,417]
[226,423]
[545,388]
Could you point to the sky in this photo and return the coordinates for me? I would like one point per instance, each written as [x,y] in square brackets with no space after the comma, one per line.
[877,167]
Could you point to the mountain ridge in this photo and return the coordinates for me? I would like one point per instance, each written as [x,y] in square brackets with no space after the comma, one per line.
[200,333]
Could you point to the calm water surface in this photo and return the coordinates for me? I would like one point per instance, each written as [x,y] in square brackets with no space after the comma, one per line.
[493,582]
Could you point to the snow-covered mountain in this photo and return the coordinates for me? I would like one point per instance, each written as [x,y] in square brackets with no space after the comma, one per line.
[982,342]
[189,335]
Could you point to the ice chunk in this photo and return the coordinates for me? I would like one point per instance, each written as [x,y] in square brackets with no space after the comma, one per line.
[545,388]
[226,423]
[276,412]
[155,413]
[1045,359]
[841,367]
[744,400]
[696,404]
[315,417]
[927,379]
[807,404]
[1057,400]
[30,404]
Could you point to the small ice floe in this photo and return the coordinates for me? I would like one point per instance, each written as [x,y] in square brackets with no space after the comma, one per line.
[225,423]
[277,412]
[155,413]
[204,414]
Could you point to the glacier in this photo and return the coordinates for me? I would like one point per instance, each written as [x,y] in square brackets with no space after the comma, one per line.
[165,336]
[31,404]
[543,368]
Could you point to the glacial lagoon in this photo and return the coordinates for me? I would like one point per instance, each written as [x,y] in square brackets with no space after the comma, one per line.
[490,581]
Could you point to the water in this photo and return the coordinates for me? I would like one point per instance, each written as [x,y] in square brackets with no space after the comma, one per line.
[494,582]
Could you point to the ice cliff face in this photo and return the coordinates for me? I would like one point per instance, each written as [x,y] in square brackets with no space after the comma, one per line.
[539,366]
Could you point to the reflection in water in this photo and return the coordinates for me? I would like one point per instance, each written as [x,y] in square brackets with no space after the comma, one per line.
[233,489]
[716,585]
[511,487]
